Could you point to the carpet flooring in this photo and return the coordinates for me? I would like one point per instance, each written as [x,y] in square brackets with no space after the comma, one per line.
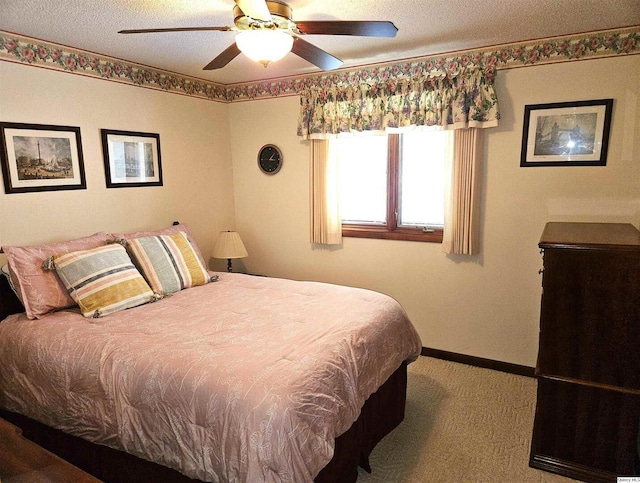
[462,424]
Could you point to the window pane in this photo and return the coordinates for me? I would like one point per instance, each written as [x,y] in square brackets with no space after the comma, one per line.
[363,178]
[422,178]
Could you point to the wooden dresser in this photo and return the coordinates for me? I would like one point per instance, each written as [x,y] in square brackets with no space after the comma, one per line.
[588,403]
[23,461]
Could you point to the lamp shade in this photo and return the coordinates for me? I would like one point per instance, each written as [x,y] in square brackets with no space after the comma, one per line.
[264,46]
[229,245]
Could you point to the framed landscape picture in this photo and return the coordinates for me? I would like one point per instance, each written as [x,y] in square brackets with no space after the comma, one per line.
[566,133]
[131,158]
[39,157]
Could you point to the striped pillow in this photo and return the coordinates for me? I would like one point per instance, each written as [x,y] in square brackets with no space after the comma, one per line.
[102,280]
[168,262]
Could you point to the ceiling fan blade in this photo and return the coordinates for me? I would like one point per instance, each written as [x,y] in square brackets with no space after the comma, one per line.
[177,29]
[256,9]
[315,55]
[224,58]
[346,27]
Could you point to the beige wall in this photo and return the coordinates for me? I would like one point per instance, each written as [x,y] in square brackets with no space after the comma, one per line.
[195,149]
[485,306]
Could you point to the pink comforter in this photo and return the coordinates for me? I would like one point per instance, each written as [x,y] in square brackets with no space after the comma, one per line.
[245,379]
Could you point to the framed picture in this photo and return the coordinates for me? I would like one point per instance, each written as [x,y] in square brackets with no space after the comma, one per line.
[566,133]
[39,157]
[131,158]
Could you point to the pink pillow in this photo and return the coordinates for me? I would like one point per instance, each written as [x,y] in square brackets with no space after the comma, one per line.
[165,231]
[42,291]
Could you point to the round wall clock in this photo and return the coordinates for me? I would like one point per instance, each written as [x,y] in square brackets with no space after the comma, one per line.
[269,159]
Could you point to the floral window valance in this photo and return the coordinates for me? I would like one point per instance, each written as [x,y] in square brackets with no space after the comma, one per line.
[447,101]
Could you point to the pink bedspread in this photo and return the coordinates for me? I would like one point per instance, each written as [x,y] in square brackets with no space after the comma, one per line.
[245,379]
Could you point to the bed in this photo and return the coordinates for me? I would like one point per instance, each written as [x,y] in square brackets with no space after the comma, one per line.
[244,378]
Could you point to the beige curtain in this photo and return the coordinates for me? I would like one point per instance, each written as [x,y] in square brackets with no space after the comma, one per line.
[326,224]
[462,198]
[462,194]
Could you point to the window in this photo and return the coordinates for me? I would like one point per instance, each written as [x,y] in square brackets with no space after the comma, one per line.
[393,186]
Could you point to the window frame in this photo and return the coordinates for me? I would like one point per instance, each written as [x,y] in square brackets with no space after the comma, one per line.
[391,230]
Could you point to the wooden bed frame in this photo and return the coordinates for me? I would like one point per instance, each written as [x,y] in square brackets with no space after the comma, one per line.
[381,413]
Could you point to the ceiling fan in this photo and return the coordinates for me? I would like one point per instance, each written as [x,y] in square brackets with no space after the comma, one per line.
[267,25]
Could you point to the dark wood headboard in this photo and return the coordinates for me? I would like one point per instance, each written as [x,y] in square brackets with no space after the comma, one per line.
[9,302]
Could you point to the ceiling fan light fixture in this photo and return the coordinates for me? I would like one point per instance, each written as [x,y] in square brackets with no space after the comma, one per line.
[264,45]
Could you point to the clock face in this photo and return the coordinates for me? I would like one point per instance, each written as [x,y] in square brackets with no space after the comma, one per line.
[270,159]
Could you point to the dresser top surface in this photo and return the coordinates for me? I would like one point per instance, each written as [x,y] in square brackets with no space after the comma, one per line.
[22,460]
[590,235]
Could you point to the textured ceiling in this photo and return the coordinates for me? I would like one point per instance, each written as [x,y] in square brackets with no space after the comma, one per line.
[425,27]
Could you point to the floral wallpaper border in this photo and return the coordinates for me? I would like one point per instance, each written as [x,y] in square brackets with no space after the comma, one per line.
[39,53]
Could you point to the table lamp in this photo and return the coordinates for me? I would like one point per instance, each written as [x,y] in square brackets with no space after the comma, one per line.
[229,245]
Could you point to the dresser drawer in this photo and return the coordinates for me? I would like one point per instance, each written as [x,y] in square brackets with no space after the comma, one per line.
[578,427]
[590,316]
